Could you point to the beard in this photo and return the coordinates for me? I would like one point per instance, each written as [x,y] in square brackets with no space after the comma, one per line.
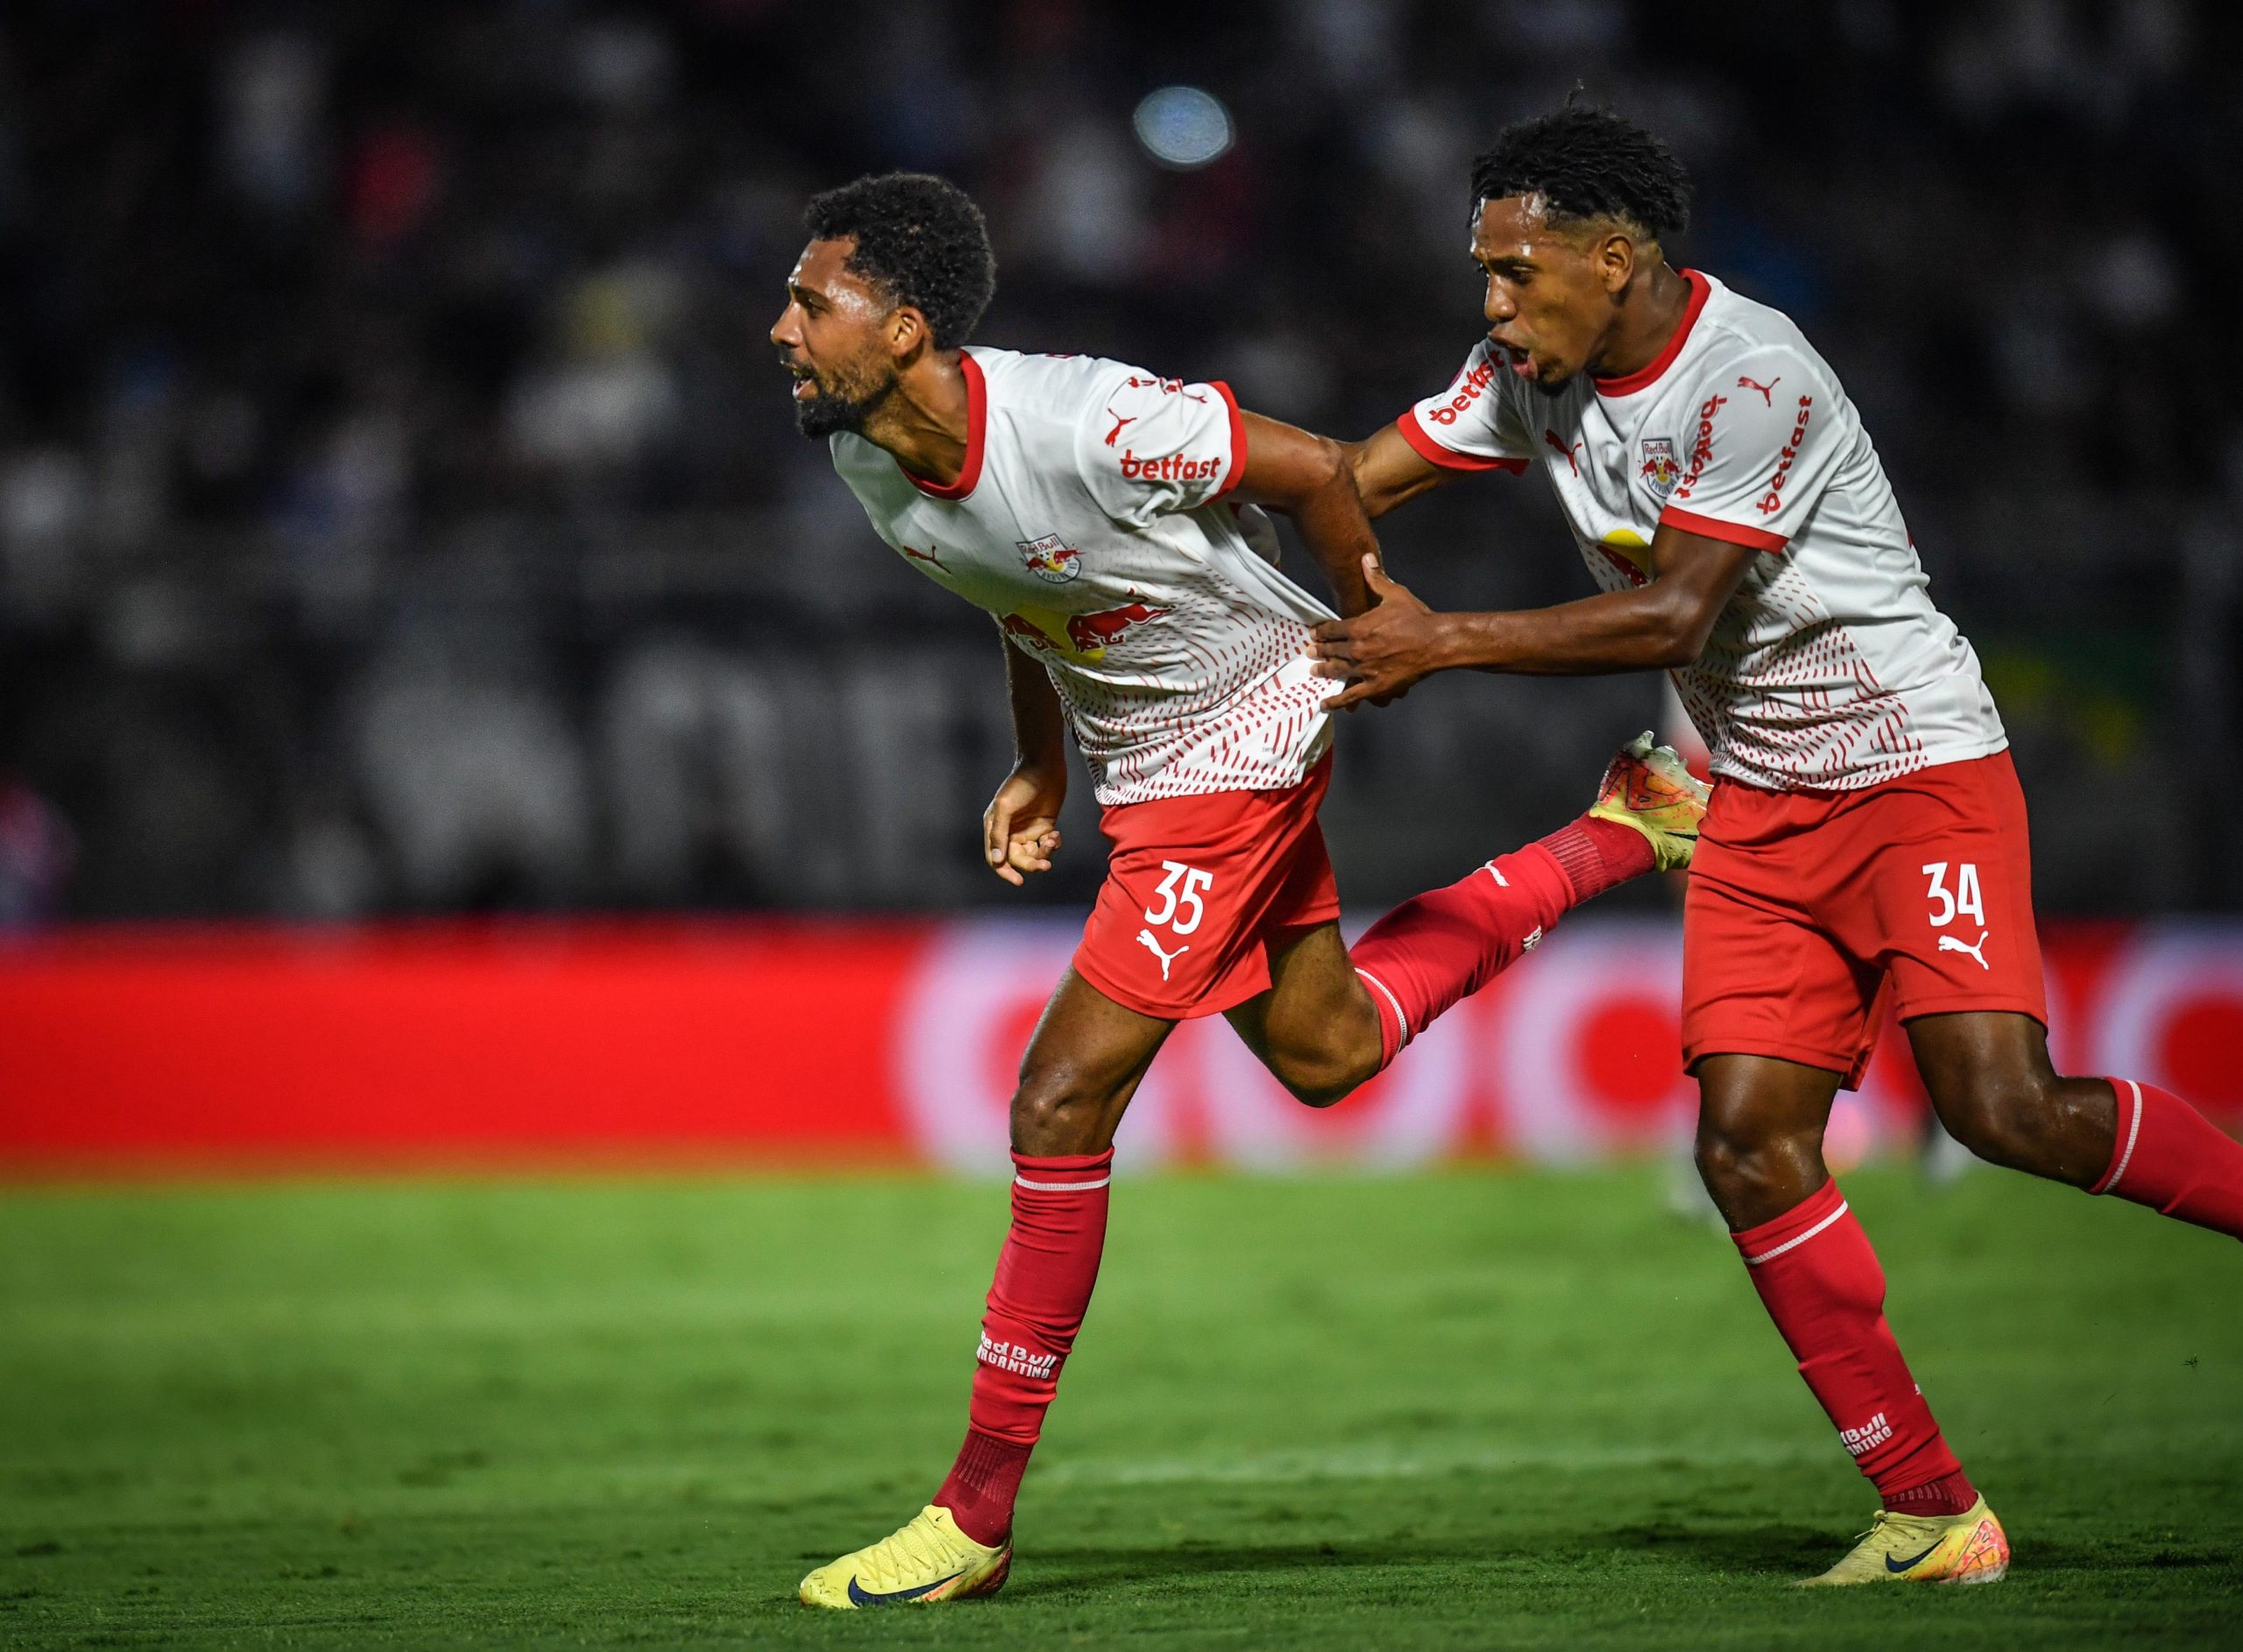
[826,413]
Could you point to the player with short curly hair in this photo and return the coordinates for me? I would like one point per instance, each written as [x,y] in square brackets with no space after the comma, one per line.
[1107,519]
[919,242]
[1584,164]
[1867,834]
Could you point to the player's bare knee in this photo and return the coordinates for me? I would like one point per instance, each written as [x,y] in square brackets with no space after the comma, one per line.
[1721,1163]
[1055,1110]
[1755,1176]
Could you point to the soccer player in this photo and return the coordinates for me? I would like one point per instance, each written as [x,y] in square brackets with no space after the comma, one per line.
[1866,830]
[1101,513]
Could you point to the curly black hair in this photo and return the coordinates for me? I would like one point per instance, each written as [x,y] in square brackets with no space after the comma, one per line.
[921,238]
[1588,162]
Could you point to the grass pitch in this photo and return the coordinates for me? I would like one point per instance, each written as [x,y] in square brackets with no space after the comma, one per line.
[1464,1410]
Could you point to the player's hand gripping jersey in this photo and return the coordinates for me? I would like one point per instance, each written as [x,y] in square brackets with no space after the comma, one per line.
[1831,668]
[1089,519]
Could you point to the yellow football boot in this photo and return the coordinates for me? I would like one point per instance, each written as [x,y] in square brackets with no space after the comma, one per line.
[920,1564]
[1966,1548]
[1649,787]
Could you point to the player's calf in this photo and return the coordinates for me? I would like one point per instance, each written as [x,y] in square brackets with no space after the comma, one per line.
[2046,1130]
[1315,1029]
[1329,1072]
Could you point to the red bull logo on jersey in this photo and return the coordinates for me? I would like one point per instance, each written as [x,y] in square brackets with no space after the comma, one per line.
[1079,637]
[1093,634]
[1049,560]
[1023,630]
[1660,468]
[1167,467]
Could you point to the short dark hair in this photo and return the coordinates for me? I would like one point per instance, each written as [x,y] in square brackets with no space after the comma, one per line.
[921,238]
[1588,162]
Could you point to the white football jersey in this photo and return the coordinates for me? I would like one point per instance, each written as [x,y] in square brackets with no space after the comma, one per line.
[1830,668]
[1089,519]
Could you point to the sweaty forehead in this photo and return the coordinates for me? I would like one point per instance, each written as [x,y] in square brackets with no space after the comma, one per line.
[824,269]
[1510,227]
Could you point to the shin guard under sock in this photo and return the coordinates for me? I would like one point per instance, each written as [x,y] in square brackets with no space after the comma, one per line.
[1442,946]
[1821,1284]
[2170,1157]
[1035,1306]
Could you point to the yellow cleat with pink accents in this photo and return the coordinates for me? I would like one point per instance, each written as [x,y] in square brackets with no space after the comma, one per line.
[1966,1548]
[1649,788]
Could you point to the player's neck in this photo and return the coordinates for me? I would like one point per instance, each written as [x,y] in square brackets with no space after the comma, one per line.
[925,422]
[1653,308]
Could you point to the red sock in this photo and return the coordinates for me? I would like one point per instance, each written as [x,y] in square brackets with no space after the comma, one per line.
[1599,855]
[1445,945]
[2170,1157]
[1821,1282]
[1044,1275]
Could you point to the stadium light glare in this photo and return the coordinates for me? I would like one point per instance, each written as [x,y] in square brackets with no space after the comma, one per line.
[1183,127]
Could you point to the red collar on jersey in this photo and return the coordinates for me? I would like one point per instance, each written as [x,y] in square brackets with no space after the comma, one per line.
[1644,378]
[977,419]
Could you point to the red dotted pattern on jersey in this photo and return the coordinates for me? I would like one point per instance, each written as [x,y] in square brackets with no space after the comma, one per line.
[1213,720]
[1800,709]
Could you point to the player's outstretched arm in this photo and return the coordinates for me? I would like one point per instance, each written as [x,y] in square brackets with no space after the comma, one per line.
[1020,829]
[1307,478]
[1661,623]
[1389,471]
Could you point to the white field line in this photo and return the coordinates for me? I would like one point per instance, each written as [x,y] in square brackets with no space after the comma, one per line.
[1282,1468]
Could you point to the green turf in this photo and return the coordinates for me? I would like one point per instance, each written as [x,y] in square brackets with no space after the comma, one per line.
[1465,1410]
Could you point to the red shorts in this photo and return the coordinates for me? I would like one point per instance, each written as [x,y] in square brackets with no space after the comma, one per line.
[1804,905]
[1200,890]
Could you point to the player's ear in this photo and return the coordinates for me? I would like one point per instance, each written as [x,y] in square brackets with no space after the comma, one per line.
[907,333]
[1615,261]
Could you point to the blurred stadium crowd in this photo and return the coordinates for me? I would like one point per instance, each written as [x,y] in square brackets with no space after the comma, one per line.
[399,509]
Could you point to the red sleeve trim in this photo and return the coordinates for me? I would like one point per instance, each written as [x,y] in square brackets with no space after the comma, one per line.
[1237,442]
[1448,458]
[977,425]
[1710,527]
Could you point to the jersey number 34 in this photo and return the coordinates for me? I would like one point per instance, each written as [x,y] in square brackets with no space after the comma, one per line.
[1964,898]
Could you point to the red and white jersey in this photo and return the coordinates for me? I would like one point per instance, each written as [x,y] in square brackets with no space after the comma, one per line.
[1089,519]
[1830,668]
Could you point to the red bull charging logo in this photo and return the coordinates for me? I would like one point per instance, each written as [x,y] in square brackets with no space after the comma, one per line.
[1049,560]
[1085,636]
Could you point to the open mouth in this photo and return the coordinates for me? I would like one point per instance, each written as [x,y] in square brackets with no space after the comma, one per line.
[1520,362]
[806,382]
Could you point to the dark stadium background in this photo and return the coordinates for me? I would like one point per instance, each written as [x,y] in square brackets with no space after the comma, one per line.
[505,1036]
[400,512]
